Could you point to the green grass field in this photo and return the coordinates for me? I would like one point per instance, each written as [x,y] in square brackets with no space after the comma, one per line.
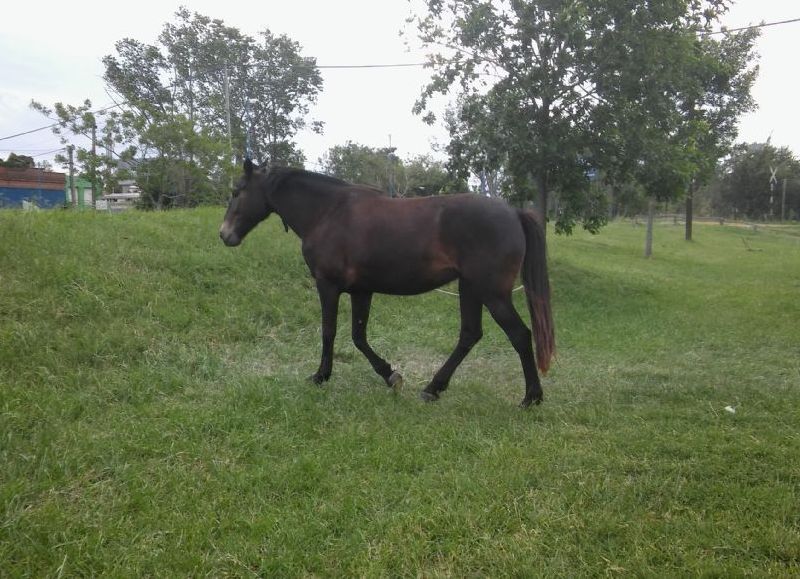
[155,417]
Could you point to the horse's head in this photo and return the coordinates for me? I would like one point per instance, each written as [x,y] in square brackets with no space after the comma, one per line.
[248,205]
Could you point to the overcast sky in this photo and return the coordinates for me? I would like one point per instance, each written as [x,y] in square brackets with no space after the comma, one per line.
[51,51]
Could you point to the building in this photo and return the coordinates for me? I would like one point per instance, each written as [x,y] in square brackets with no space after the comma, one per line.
[34,185]
[125,197]
[84,194]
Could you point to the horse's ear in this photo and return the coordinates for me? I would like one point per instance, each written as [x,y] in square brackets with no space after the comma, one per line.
[248,169]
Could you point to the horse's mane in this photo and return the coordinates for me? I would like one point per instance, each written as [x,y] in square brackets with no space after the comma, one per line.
[278,175]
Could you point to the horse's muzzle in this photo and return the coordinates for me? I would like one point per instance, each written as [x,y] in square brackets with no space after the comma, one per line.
[228,236]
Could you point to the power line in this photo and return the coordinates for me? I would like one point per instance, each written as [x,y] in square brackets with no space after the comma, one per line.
[322,67]
[37,151]
[391,65]
[29,132]
[762,25]
[356,66]
[49,152]
[58,123]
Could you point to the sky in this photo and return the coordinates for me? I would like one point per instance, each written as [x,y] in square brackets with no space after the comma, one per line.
[57,58]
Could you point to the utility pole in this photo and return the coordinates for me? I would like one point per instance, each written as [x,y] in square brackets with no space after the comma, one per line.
[773,180]
[94,163]
[73,198]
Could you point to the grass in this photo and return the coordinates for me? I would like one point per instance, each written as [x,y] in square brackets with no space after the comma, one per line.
[155,417]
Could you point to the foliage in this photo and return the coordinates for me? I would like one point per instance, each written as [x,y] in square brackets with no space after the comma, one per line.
[93,161]
[157,421]
[742,186]
[165,184]
[708,82]
[381,168]
[14,161]
[270,85]
[201,95]
[553,91]
[361,164]
[724,76]
[423,175]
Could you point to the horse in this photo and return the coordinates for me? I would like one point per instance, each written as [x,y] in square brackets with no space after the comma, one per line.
[358,241]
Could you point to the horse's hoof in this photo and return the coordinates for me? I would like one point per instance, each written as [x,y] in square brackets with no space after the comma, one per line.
[317,379]
[526,402]
[428,396]
[395,381]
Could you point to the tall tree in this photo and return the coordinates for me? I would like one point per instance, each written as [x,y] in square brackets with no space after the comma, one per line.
[666,117]
[712,104]
[188,104]
[520,68]
[555,90]
[97,134]
[211,74]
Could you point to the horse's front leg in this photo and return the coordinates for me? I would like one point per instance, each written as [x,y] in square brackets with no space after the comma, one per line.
[329,300]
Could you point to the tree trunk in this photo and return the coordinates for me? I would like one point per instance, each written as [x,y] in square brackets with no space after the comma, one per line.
[541,202]
[612,205]
[648,240]
[689,210]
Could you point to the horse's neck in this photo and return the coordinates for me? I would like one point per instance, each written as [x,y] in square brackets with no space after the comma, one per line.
[302,205]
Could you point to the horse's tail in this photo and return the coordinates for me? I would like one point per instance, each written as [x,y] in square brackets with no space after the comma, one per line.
[537,288]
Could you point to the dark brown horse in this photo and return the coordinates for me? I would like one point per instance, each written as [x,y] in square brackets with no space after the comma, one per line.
[356,240]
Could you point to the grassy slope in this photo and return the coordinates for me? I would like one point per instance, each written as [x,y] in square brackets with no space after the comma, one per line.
[155,418]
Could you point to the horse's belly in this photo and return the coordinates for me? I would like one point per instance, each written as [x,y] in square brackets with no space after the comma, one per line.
[401,280]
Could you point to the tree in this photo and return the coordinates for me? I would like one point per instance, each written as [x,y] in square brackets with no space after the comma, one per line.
[553,91]
[203,94]
[742,186]
[710,95]
[360,164]
[263,86]
[423,175]
[103,130]
[382,168]
[521,74]
[14,161]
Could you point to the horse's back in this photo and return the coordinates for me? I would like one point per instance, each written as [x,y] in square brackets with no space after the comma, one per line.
[461,224]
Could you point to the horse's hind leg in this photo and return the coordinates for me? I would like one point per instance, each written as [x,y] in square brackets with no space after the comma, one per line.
[471,332]
[506,316]
[361,303]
